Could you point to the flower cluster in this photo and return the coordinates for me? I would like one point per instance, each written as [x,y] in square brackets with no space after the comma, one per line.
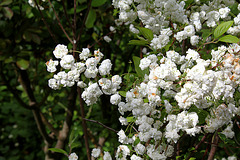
[88,66]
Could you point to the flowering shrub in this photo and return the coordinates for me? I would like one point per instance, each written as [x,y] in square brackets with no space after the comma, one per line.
[187,84]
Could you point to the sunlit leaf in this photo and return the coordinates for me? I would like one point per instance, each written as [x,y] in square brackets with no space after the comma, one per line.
[222,28]
[58,150]
[229,39]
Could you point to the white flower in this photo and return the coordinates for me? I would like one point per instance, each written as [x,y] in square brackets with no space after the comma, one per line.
[107,156]
[134,157]
[189,30]
[194,40]
[144,63]
[81,84]
[53,83]
[51,65]
[67,61]
[122,138]
[181,36]
[192,54]
[123,121]
[224,12]
[91,73]
[107,39]
[115,99]
[112,29]
[91,63]
[133,29]
[85,54]
[60,51]
[124,150]
[96,152]
[105,67]
[140,149]
[73,156]
[98,55]
[160,41]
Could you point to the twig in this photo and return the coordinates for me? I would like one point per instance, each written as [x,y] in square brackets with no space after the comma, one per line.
[59,23]
[44,21]
[66,15]
[213,147]
[63,134]
[15,94]
[111,129]
[84,125]
[100,39]
[84,20]
[198,145]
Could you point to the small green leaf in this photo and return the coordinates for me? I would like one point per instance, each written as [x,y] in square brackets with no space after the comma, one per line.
[229,39]
[8,12]
[136,141]
[122,93]
[5,2]
[222,28]
[75,145]
[97,3]
[138,42]
[130,119]
[58,150]
[147,33]
[23,64]
[91,18]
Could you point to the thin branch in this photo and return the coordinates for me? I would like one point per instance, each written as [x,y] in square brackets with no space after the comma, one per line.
[84,125]
[15,94]
[84,20]
[63,134]
[59,22]
[198,145]
[75,21]
[111,129]
[213,147]
[25,82]
[44,21]
[41,127]
[49,125]
[100,39]
[66,15]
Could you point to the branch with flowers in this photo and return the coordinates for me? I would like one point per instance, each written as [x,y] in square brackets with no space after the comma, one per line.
[184,89]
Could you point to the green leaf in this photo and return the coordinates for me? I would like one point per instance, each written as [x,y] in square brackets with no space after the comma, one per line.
[147,33]
[138,42]
[5,2]
[8,12]
[222,28]
[75,145]
[205,34]
[23,64]
[97,3]
[73,136]
[130,119]
[122,93]
[140,72]
[91,18]
[229,39]
[136,141]
[58,150]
